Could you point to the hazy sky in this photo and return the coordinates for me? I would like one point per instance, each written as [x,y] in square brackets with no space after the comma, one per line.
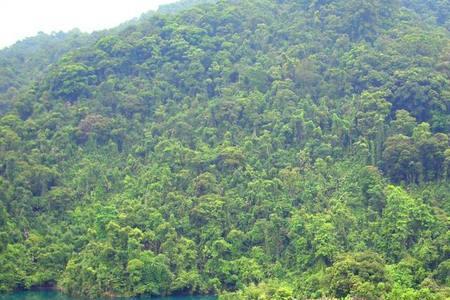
[24,18]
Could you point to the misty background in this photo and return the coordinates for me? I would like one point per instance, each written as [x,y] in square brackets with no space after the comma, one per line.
[20,19]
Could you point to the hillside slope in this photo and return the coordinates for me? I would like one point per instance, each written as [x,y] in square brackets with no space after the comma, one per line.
[182,5]
[267,148]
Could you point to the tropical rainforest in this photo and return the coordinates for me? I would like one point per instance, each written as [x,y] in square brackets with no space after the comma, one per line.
[263,149]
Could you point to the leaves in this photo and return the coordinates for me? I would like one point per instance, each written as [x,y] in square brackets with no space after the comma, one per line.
[272,149]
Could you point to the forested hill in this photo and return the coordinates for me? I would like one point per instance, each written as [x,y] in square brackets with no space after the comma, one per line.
[28,59]
[182,5]
[264,149]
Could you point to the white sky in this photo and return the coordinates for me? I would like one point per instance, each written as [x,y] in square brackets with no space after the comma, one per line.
[24,18]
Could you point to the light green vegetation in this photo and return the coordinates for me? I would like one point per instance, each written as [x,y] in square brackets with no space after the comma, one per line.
[255,149]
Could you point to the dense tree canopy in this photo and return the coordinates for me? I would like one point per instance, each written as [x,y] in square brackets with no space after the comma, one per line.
[267,149]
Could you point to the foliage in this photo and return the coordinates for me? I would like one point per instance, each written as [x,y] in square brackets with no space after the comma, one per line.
[254,149]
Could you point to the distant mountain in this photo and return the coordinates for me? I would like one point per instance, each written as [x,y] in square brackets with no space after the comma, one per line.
[182,5]
[27,60]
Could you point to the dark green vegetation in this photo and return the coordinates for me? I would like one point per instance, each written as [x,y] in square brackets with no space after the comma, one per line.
[273,149]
